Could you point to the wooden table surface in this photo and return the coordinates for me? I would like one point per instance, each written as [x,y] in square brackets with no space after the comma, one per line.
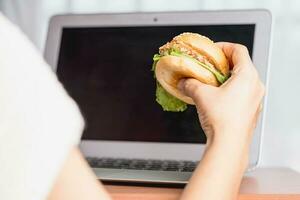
[119,192]
[261,184]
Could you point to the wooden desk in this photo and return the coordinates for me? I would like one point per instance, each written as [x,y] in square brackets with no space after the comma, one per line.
[262,184]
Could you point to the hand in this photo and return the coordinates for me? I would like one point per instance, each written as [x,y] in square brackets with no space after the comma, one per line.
[234,106]
[228,116]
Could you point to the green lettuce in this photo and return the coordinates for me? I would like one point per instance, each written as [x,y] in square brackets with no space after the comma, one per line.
[166,100]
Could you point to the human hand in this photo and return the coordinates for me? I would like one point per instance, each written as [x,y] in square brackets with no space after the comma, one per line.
[229,112]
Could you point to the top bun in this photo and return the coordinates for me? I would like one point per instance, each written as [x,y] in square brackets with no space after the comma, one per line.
[206,47]
[170,69]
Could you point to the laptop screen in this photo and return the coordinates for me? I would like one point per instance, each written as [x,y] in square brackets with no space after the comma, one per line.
[107,70]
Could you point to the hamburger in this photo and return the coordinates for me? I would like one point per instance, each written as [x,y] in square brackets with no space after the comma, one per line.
[188,55]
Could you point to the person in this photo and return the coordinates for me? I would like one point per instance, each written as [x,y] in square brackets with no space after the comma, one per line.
[40,127]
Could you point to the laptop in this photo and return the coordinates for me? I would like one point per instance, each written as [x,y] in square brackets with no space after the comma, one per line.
[104,62]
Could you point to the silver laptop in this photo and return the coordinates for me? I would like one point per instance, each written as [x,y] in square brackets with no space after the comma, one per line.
[104,61]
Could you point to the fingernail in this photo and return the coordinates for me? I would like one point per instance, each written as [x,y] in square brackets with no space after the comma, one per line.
[181,84]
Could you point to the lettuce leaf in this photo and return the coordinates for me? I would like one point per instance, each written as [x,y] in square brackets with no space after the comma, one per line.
[167,101]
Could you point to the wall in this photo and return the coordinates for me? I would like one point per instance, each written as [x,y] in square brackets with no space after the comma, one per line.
[281,143]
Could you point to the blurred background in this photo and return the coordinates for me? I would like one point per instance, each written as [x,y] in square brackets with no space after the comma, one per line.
[281,140]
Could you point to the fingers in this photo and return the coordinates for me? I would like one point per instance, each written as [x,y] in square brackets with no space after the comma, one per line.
[243,68]
[193,88]
[237,54]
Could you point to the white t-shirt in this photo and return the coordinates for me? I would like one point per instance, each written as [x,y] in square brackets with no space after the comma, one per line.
[39,122]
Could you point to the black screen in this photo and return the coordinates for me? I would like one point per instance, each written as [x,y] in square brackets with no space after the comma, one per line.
[107,71]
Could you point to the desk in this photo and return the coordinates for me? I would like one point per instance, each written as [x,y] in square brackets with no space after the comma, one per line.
[261,184]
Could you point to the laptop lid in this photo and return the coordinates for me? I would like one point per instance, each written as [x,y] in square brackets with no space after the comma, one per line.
[104,61]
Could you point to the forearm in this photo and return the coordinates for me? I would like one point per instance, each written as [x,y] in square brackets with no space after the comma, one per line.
[77,182]
[219,174]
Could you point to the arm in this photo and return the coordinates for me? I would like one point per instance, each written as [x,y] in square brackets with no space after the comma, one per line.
[228,115]
[76,181]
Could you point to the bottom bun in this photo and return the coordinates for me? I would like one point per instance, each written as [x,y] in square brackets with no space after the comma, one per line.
[170,69]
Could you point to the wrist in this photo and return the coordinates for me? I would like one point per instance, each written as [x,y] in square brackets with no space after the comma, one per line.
[231,135]
[230,144]
[236,156]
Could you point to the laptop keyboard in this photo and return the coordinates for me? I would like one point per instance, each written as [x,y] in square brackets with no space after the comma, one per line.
[143,164]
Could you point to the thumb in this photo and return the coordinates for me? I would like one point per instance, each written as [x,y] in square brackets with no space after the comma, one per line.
[193,88]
